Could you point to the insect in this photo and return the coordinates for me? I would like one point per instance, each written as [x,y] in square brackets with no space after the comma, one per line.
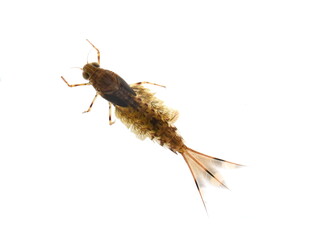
[147,116]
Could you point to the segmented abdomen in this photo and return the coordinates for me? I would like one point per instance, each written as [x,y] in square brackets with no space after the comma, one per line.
[151,119]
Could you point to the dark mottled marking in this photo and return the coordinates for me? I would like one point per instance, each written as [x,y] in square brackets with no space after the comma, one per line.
[137,107]
[207,171]
[154,122]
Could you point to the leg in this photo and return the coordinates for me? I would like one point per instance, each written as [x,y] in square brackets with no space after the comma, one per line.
[110,121]
[91,103]
[75,85]
[139,83]
[98,52]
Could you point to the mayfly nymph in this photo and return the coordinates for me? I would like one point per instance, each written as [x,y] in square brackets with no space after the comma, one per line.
[147,116]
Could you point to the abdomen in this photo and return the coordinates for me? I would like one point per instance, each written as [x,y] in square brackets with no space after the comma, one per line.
[151,119]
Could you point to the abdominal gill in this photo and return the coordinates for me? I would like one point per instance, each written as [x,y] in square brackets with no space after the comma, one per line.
[154,120]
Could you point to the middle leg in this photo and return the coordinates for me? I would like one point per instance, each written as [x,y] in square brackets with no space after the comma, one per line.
[94,99]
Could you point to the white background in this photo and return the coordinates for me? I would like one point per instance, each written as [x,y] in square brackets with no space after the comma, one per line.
[245,77]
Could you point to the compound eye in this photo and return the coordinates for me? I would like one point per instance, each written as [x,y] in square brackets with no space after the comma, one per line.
[95,64]
[85,75]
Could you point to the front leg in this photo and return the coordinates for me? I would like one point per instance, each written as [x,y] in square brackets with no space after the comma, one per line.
[75,85]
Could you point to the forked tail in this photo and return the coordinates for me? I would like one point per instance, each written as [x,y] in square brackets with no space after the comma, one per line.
[203,168]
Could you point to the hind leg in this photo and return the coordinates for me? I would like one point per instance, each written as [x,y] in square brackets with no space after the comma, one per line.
[110,114]
[140,83]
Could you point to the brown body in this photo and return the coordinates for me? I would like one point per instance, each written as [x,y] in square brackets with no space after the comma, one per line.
[136,107]
[151,119]
[110,85]
[147,116]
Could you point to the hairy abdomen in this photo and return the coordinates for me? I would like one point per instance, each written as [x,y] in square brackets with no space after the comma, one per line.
[151,119]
